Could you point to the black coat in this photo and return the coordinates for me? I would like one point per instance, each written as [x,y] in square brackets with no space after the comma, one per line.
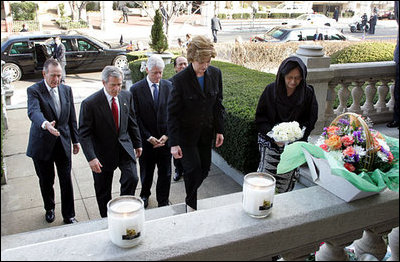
[152,119]
[275,107]
[195,116]
[98,133]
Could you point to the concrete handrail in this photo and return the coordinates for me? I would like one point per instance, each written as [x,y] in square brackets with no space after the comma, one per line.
[299,222]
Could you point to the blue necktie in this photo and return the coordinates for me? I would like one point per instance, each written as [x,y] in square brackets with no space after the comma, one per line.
[155,94]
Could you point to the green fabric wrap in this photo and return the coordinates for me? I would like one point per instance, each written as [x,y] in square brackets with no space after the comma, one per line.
[293,157]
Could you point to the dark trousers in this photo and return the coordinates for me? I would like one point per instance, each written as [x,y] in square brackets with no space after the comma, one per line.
[103,181]
[372,29]
[45,172]
[196,162]
[178,166]
[214,33]
[125,17]
[150,158]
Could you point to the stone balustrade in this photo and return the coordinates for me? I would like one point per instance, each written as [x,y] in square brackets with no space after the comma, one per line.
[353,81]
[300,221]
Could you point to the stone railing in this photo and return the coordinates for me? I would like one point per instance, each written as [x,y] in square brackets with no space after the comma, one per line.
[300,221]
[377,77]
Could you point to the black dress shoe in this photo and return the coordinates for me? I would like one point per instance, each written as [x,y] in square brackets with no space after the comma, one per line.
[145,201]
[177,176]
[50,215]
[71,220]
[393,124]
[163,204]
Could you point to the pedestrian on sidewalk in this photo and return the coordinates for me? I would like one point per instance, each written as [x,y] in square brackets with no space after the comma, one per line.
[180,63]
[196,116]
[372,23]
[52,112]
[110,138]
[336,14]
[125,11]
[215,27]
[24,28]
[150,97]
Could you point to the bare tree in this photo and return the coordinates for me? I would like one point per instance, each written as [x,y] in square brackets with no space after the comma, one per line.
[76,8]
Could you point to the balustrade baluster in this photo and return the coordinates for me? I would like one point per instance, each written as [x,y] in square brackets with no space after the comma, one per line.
[356,93]
[344,95]
[393,238]
[299,254]
[370,91]
[370,243]
[330,252]
[390,104]
[383,90]
[330,100]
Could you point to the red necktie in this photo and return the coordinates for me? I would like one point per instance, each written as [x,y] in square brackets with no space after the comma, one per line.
[114,109]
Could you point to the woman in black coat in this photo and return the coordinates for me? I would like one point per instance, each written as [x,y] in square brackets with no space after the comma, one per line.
[195,115]
[287,99]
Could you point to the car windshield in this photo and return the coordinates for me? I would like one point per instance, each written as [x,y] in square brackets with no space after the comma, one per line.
[276,33]
[302,17]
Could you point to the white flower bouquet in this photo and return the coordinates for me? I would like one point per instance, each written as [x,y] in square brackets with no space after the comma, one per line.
[286,132]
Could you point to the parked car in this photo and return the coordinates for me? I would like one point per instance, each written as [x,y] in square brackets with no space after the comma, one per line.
[311,19]
[386,14]
[291,8]
[298,33]
[26,54]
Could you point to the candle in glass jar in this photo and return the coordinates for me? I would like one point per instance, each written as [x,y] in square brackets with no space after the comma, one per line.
[125,221]
[258,194]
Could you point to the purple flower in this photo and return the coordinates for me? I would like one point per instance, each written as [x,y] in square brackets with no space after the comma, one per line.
[384,151]
[344,121]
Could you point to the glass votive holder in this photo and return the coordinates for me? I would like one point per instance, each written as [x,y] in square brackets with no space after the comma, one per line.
[258,194]
[125,215]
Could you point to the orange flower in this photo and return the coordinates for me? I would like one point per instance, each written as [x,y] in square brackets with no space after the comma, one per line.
[334,142]
[332,130]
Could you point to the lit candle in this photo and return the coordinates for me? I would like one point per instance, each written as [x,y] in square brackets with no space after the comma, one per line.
[258,194]
[125,220]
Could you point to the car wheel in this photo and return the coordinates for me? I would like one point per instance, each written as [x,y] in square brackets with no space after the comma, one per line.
[352,29]
[120,61]
[13,70]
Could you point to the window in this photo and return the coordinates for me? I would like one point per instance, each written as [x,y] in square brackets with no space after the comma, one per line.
[20,48]
[85,46]
[68,45]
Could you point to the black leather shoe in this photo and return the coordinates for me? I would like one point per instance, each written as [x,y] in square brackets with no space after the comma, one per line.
[71,220]
[393,124]
[163,204]
[177,176]
[50,215]
[145,201]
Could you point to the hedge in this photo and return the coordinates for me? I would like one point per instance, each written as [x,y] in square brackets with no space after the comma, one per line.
[33,25]
[364,52]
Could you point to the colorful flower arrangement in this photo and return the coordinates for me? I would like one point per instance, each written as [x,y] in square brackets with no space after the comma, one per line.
[286,132]
[346,140]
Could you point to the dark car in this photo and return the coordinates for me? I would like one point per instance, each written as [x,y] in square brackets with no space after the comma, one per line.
[26,54]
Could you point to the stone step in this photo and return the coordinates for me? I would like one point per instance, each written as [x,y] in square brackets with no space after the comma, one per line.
[58,232]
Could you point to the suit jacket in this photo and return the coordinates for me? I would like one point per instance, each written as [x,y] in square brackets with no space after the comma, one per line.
[216,24]
[59,53]
[40,108]
[152,119]
[97,131]
[195,116]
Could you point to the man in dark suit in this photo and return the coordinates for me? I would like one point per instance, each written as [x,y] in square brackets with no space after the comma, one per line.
[59,54]
[196,115]
[52,112]
[110,137]
[151,96]
[180,63]
[215,27]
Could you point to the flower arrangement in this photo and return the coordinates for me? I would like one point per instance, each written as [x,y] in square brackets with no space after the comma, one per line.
[286,132]
[347,141]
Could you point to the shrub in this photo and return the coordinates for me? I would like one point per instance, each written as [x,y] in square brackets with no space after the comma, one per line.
[261,15]
[159,41]
[62,9]
[135,55]
[93,6]
[222,16]
[24,10]
[279,15]
[32,25]
[67,24]
[364,52]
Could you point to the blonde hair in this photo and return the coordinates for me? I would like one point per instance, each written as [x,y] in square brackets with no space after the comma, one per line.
[200,49]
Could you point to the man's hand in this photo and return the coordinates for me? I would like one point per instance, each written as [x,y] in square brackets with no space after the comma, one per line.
[219,140]
[138,152]
[176,151]
[163,140]
[95,165]
[50,127]
[76,148]
[154,141]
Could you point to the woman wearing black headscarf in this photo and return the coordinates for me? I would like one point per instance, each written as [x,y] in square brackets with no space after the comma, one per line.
[287,99]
